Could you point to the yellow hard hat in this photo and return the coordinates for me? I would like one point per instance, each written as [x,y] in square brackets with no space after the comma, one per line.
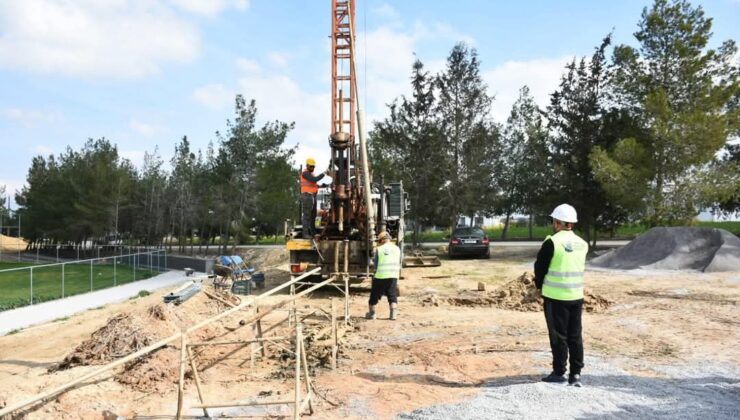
[310,162]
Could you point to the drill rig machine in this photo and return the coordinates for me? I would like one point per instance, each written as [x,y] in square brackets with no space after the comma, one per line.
[355,209]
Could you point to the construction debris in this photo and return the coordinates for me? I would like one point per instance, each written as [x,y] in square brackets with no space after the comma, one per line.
[183,293]
[417,259]
[123,334]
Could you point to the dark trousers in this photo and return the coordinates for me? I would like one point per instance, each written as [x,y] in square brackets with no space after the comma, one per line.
[384,287]
[308,214]
[564,326]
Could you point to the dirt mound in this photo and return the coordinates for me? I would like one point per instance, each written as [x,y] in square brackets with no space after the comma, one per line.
[262,258]
[157,372]
[519,295]
[11,244]
[677,248]
[122,335]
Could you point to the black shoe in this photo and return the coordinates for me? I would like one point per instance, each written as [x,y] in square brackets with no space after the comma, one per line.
[554,378]
[575,380]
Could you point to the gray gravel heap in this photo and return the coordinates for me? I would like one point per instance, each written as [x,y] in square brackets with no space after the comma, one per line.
[608,392]
[677,248]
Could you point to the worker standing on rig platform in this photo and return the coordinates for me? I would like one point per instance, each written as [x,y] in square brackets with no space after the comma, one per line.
[309,189]
[558,273]
[387,271]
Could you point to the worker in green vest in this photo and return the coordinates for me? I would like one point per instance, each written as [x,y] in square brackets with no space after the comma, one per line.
[387,263]
[558,273]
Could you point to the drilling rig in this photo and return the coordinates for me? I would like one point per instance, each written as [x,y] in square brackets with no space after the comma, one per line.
[354,207]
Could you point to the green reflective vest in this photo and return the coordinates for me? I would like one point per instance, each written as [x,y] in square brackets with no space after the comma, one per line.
[564,279]
[389,261]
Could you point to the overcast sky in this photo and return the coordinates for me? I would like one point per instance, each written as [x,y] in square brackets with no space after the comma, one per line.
[143,73]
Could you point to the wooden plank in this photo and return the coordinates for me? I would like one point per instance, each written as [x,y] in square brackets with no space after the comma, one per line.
[245,403]
[196,376]
[298,340]
[181,380]
[227,342]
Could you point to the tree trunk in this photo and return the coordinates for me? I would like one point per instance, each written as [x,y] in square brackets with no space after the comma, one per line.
[506,226]
[416,234]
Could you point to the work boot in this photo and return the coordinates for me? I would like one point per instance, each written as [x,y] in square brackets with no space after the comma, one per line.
[394,309]
[574,379]
[554,378]
[371,312]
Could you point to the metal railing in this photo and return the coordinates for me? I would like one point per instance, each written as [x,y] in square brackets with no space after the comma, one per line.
[58,280]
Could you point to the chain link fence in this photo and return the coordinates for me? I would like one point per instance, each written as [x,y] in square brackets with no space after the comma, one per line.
[37,283]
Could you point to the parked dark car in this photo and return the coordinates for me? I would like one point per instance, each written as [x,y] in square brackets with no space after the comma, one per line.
[469,241]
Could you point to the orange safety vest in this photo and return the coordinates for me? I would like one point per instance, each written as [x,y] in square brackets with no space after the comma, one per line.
[308,186]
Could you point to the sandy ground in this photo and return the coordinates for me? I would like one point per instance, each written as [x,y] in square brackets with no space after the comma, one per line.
[659,324]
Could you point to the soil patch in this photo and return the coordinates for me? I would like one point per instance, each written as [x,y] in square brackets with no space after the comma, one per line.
[518,295]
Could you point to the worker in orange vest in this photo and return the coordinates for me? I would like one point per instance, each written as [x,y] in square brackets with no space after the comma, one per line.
[309,189]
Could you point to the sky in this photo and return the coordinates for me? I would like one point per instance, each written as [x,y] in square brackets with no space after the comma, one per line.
[145,73]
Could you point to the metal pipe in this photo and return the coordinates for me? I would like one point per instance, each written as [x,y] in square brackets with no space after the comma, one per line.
[363,143]
[346,256]
[336,257]
[341,217]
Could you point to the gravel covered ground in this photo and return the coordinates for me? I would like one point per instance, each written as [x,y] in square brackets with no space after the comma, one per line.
[608,392]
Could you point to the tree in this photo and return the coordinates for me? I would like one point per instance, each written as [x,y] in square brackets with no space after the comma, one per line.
[680,92]
[408,146]
[244,149]
[151,202]
[277,194]
[522,163]
[576,117]
[463,108]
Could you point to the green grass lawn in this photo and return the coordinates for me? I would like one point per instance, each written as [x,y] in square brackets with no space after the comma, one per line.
[15,288]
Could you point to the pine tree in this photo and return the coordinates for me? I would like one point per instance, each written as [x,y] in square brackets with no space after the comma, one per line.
[463,108]
[680,91]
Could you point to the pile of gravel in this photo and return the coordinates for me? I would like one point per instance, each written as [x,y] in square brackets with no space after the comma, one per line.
[608,392]
[677,248]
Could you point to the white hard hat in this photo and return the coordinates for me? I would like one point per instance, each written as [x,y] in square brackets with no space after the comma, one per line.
[565,213]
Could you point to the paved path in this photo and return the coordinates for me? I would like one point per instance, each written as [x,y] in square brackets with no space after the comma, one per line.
[51,310]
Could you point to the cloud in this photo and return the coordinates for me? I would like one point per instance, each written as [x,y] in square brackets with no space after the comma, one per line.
[43,150]
[92,38]
[11,187]
[30,118]
[135,156]
[214,96]
[387,12]
[281,98]
[388,54]
[146,130]
[210,7]
[542,75]
[278,59]
[247,65]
